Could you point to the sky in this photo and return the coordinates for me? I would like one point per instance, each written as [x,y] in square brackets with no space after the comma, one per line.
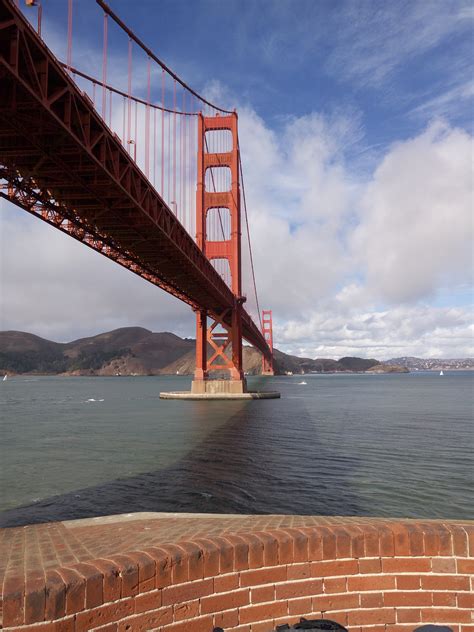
[356,132]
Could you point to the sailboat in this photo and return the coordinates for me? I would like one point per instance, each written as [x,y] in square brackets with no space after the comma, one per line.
[5,377]
[441,373]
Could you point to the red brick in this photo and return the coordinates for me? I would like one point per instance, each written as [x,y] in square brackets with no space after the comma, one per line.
[329,543]
[375,582]
[406,565]
[445,582]
[112,585]
[187,592]
[299,571]
[300,545]
[241,551]
[55,606]
[146,570]
[358,542]
[128,570]
[466,601]
[255,549]
[195,557]
[386,541]
[412,598]
[337,567]
[371,617]
[371,600]
[401,539]
[262,626]
[408,615]
[335,584]
[75,590]
[400,627]
[324,603]
[262,593]
[263,576]
[224,583]
[225,601]
[146,621]
[35,597]
[110,627]
[285,546]
[430,539]
[445,615]
[94,584]
[270,548]
[444,598]
[302,605]
[211,557]
[443,565]
[14,601]
[186,610]
[299,588]
[416,537]
[470,538]
[179,563]
[226,554]
[460,541]
[227,619]
[445,540]
[162,561]
[315,545]
[104,614]
[465,566]
[370,565]
[408,582]
[343,543]
[372,541]
[64,625]
[261,612]
[150,600]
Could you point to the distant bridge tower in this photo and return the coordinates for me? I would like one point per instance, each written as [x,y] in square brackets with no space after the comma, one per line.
[267,324]
[225,330]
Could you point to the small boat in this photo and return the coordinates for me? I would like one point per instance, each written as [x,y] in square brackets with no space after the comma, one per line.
[302,383]
[441,373]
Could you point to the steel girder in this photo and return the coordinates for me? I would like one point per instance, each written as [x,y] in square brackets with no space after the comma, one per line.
[56,149]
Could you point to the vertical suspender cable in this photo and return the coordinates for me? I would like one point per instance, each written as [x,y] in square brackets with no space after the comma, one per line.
[174,142]
[147,121]
[162,133]
[69,34]
[154,147]
[123,122]
[129,121]
[104,69]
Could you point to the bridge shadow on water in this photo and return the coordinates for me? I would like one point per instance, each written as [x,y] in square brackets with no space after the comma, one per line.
[266,459]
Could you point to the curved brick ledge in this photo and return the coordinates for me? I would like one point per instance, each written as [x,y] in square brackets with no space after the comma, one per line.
[187,573]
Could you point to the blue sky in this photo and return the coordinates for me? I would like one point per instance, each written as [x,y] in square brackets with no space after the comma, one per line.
[356,125]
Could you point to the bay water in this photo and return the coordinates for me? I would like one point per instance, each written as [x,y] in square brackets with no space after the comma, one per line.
[397,445]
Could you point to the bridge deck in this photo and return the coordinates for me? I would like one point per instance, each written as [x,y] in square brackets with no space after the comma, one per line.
[55,146]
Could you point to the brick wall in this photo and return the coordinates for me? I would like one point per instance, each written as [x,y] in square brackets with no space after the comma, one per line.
[375,576]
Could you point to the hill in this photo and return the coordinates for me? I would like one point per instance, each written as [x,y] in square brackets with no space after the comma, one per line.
[138,351]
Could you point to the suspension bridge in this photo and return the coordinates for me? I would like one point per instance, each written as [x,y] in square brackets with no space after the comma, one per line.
[139,167]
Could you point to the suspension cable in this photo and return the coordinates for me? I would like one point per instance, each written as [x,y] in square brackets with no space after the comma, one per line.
[150,53]
[97,82]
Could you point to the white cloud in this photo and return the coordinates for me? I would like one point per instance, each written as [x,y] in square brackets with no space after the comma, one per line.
[419,330]
[416,222]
